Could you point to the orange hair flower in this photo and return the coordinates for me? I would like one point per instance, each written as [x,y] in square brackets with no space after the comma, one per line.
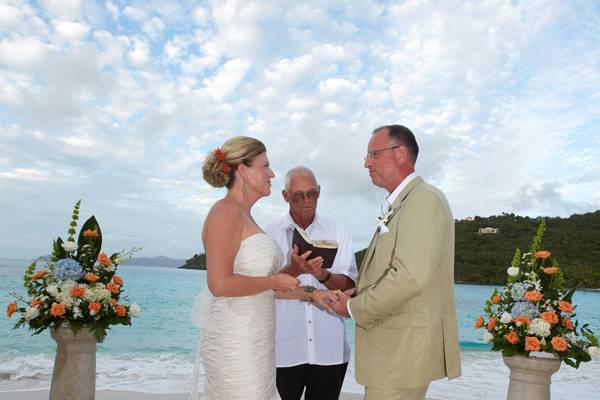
[58,309]
[88,233]
[121,310]
[114,289]
[95,307]
[77,291]
[550,270]
[559,343]
[491,324]
[117,280]
[567,323]
[479,322]
[565,306]
[522,319]
[550,317]
[104,259]
[532,343]
[11,309]
[533,295]
[39,275]
[543,254]
[219,154]
[496,299]
[512,337]
[91,277]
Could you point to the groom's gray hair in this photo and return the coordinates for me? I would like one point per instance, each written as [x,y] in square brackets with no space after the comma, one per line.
[300,170]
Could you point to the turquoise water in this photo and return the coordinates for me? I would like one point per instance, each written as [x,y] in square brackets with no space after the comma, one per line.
[155,354]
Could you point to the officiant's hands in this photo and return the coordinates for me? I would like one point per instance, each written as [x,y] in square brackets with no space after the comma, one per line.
[300,264]
[340,307]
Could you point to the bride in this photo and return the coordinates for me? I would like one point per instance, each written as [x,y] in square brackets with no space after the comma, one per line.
[238,339]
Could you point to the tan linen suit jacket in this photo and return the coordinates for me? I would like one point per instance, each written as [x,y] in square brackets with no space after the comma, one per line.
[406,334]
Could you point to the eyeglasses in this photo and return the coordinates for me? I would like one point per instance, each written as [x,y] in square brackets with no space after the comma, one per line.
[374,153]
[295,197]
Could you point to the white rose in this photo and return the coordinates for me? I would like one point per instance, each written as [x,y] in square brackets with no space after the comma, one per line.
[594,352]
[134,310]
[487,337]
[69,246]
[571,337]
[506,318]
[539,327]
[512,271]
[31,313]
[52,290]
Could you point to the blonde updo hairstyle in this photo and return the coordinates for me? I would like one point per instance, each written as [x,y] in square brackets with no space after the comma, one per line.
[236,151]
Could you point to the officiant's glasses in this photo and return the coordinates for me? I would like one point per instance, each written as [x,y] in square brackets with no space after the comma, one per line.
[300,196]
[374,153]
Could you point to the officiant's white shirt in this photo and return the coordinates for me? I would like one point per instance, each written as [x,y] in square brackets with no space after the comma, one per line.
[305,333]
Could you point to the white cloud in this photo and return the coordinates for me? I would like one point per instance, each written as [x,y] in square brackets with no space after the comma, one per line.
[135,13]
[23,53]
[139,55]
[227,79]
[71,30]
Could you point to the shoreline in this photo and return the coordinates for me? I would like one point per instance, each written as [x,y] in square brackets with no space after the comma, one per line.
[125,395]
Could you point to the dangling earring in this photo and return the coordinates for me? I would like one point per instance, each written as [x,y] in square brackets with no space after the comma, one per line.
[244,189]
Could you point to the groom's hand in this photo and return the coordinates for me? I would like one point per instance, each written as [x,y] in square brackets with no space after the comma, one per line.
[341,306]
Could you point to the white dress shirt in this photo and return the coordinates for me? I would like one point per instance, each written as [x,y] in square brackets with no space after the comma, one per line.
[305,333]
[387,203]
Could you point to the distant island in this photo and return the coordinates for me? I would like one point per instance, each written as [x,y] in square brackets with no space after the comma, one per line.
[483,255]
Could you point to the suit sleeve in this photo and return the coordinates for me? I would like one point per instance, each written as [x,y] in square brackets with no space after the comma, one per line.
[422,233]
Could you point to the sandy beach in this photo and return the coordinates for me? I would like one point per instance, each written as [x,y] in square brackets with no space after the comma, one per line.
[124,395]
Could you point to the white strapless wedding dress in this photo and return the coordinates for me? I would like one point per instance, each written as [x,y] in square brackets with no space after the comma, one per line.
[237,345]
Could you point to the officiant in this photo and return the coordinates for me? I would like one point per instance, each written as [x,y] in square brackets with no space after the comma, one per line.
[311,349]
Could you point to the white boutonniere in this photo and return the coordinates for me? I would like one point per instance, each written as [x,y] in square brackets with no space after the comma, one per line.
[383,220]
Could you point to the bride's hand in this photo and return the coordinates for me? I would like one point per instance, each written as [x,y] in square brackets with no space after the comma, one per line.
[325,298]
[284,282]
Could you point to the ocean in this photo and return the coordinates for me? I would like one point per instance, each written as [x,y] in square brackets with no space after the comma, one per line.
[156,353]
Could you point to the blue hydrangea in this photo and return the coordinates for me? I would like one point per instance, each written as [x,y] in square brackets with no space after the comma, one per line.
[517,291]
[67,268]
[526,308]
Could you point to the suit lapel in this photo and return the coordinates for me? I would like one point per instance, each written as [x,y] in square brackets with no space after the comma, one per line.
[398,203]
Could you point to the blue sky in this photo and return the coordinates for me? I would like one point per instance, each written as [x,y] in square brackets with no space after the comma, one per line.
[117,103]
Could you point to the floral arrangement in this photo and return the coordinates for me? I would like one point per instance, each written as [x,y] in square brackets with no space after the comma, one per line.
[534,313]
[77,286]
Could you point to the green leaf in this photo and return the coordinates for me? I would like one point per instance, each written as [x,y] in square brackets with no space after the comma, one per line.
[94,242]
[57,250]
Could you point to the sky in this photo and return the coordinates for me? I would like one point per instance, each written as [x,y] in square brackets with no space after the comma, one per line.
[117,103]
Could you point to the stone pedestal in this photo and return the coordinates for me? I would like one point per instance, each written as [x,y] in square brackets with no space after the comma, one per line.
[74,375]
[530,377]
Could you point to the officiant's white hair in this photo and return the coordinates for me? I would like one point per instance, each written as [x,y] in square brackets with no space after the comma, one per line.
[300,170]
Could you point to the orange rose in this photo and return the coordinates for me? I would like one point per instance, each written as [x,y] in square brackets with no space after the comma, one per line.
[496,299]
[542,254]
[550,270]
[550,317]
[512,337]
[113,302]
[532,343]
[559,343]
[39,275]
[104,259]
[522,319]
[479,322]
[78,291]
[90,233]
[11,309]
[117,280]
[567,323]
[36,302]
[491,324]
[565,306]
[114,289]
[121,310]
[95,307]
[58,309]
[91,277]
[533,295]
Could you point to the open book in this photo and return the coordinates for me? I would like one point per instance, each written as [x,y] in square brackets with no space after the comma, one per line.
[327,249]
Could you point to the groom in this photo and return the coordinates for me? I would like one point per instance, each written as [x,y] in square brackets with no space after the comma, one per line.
[404,310]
